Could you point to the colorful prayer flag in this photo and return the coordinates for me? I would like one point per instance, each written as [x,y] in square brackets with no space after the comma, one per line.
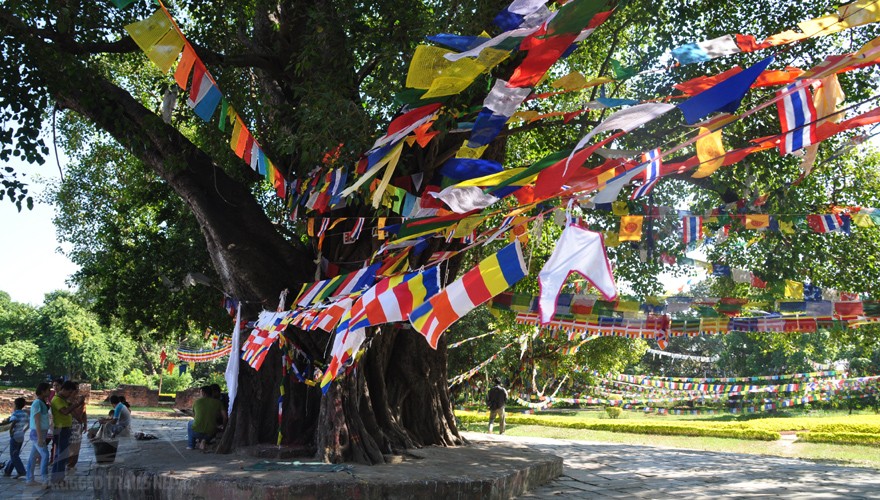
[725,96]
[825,223]
[631,228]
[397,302]
[692,229]
[490,277]
[797,115]
[652,173]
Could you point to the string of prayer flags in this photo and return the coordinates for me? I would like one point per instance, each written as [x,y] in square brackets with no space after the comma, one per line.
[847,16]
[268,327]
[203,356]
[490,277]
[162,41]
[388,303]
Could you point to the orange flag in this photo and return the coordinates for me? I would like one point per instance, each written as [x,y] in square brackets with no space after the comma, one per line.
[757,221]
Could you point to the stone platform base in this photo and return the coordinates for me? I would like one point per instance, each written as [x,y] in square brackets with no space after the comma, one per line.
[165,470]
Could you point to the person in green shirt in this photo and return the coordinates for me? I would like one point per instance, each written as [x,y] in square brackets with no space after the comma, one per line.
[63,405]
[203,427]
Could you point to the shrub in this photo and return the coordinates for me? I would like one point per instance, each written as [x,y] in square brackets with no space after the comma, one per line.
[723,430]
[860,438]
[613,411]
[135,377]
[847,428]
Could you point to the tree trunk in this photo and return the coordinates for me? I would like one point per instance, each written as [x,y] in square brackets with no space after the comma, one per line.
[395,398]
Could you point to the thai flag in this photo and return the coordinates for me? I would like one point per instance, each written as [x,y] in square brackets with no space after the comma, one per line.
[828,223]
[355,233]
[692,229]
[797,114]
[325,224]
[652,174]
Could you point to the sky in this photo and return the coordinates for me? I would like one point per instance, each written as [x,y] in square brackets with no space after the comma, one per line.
[30,263]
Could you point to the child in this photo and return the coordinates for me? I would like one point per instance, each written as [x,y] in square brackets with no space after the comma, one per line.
[39,430]
[19,420]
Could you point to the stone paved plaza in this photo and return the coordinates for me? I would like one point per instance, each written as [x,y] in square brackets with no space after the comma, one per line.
[591,470]
[604,470]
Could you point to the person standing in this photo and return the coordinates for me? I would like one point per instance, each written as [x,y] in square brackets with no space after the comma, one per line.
[80,423]
[63,405]
[496,400]
[207,410]
[39,432]
[19,420]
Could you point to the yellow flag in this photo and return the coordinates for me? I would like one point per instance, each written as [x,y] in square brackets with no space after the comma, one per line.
[468,225]
[862,220]
[794,290]
[430,70]
[611,239]
[619,208]
[572,81]
[165,51]
[473,153]
[148,32]
[786,227]
[827,98]
[631,228]
[710,152]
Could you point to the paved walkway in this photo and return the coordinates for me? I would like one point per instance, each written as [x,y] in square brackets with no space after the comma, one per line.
[604,470]
[79,484]
[592,470]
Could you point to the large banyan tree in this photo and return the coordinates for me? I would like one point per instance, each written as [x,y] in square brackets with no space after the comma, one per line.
[152,191]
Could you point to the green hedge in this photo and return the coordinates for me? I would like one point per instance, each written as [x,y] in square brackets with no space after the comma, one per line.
[867,439]
[847,428]
[664,429]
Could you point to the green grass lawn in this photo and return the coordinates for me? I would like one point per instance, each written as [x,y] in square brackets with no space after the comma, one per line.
[556,424]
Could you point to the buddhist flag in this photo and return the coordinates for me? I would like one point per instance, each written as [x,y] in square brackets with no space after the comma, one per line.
[398,302]
[631,228]
[490,277]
